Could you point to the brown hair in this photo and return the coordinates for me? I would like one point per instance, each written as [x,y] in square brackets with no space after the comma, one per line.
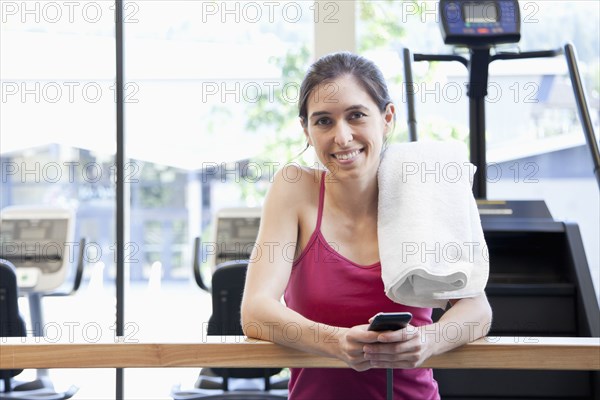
[335,65]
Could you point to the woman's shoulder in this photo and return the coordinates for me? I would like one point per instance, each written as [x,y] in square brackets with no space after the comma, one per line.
[294,184]
[297,177]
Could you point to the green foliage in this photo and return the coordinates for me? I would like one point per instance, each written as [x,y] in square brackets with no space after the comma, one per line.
[276,109]
[380,26]
[276,114]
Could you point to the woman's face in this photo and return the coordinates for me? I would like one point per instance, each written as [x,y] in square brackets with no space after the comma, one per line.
[346,127]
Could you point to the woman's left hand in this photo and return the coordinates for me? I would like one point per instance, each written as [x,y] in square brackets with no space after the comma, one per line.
[404,348]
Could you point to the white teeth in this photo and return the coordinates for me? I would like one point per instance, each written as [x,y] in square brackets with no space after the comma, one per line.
[347,156]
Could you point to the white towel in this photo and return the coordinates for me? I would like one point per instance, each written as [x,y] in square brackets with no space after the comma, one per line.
[431,243]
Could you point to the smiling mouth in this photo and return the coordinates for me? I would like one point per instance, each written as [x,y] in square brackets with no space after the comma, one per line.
[348,155]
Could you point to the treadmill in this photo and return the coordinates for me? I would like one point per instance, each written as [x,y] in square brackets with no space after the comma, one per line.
[539,282]
[38,241]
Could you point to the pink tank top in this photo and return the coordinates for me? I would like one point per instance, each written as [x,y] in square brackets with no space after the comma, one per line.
[326,287]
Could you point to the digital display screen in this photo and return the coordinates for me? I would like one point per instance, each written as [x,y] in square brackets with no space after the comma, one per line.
[480,13]
[32,234]
[247,232]
[480,23]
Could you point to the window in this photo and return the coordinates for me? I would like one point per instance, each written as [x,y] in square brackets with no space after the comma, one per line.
[57,149]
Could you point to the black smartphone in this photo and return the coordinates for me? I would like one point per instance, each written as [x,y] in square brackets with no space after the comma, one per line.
[390,321]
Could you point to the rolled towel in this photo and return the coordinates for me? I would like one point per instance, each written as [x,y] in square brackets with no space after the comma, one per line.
[431,243]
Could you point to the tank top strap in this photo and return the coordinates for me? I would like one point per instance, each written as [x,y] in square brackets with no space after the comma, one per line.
[321,201]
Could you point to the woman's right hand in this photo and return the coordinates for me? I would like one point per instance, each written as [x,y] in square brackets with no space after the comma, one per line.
[351,342]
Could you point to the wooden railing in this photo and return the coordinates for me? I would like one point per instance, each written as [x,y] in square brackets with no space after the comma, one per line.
[539,353]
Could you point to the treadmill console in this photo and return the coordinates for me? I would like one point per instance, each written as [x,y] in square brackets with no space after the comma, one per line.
[235,234]
[39,241]
[480,23]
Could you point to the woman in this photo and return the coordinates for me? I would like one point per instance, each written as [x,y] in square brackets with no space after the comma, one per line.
[320,228]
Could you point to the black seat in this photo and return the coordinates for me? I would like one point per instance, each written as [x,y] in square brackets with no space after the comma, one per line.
[11,323]
[227,289]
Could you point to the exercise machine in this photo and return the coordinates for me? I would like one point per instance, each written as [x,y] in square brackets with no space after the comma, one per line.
[540,282]
[233,236]
[37,243]
[227,253]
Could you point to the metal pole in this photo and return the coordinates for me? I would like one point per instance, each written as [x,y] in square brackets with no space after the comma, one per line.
[37,321]
[582,108]
[410,96]
[478,81]
[120,189]
[477,145]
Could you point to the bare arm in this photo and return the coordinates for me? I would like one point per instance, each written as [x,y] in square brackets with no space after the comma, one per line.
[263,315]
[467,320]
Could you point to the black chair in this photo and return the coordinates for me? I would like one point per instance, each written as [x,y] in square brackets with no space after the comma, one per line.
[227,289]
[12,325]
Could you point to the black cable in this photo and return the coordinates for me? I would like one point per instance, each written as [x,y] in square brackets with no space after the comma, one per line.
[390,384]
